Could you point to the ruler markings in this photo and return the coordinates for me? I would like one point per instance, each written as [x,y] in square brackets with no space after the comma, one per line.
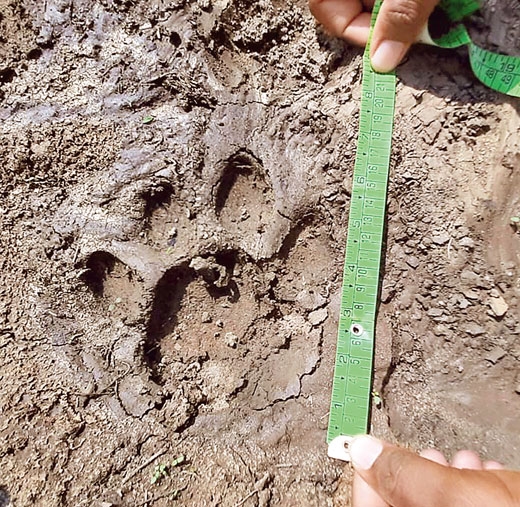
[352,375]
[351,391]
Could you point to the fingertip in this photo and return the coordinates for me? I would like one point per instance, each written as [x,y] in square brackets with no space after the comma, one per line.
[435,456]
[387,55]
[364,451]
[467,459]
[493,465]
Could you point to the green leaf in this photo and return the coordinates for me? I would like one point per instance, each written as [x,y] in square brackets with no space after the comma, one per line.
[178,461]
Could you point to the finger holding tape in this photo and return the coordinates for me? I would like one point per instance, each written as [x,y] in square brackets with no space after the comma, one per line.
[398,26]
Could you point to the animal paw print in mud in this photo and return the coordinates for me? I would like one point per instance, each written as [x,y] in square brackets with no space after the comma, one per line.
[219,299]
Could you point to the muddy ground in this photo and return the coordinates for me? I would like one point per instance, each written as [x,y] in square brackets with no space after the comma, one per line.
[175,180]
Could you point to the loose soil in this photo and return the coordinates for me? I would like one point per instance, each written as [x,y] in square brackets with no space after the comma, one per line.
[175,181]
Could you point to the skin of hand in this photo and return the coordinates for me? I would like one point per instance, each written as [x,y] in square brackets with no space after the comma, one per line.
[398,24]
[389,476]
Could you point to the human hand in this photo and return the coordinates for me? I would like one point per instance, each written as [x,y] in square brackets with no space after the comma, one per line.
[398,24]
[388,476]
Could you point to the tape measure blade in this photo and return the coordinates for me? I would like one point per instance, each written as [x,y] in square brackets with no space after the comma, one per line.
[499,72]
[351,393]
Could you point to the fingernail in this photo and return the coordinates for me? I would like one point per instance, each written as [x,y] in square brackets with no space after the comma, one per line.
[388,55]
[364,451]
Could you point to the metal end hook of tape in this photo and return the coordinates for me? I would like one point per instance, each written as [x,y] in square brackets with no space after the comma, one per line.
[339,448]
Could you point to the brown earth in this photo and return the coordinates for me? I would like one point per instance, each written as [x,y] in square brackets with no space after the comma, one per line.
[175,185]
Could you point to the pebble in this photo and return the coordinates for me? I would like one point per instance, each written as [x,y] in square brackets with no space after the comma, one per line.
[471,294]
[422,300]
[413,261]
[435,312]
[498,306]
[517,389]
[441,330]
[441,239]
[494,293]
[206,317]
[494,355]
[318,316]
[474,329]
[467,242]
[464,303]
[310,300]
[387,293]
[470,276]
[231,340]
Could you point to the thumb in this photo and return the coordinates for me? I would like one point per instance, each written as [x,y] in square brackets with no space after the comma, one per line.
[398,24]
[404,479]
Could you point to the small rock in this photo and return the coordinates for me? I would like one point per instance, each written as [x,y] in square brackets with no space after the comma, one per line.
[413,262]
[441,239]
[406,342]
[494,355]
[498,306]
[471,294]
[464,303]
[264,498]
[310,300]
[347,185]
[166,173]
[470,276]
[467,242]
[387,293]
[231,340]
[494,293]
[441,330]
[517,389]
[435,312]
[318,316]
[474,329]
[330,193]
[503,286]
[206,317]
[200,264]
[219,323]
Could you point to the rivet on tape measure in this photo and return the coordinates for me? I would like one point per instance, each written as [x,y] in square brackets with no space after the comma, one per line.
[351,391]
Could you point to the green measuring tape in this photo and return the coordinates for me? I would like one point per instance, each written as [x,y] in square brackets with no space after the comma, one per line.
[353,371]
[351,391]
[499,72]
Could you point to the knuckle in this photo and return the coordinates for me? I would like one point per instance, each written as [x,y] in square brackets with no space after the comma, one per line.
[405,13]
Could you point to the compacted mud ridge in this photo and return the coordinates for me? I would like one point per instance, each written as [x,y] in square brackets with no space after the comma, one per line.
[175,181]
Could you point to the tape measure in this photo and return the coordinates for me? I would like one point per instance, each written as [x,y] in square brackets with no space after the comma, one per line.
[351,391]
[499,72]
[355,349]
